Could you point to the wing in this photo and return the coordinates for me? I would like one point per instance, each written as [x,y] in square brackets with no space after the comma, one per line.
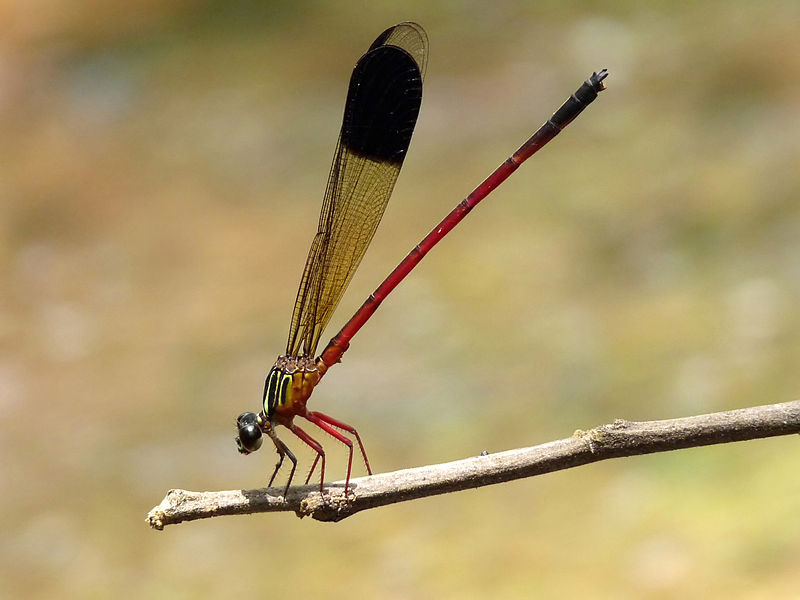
[382,105]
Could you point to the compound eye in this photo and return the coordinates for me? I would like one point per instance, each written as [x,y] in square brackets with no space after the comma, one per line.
[249,439]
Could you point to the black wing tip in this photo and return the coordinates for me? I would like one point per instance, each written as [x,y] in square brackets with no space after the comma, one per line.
[409,36]
[382,105]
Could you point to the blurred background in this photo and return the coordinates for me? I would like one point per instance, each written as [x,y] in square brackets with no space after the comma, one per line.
[161,171]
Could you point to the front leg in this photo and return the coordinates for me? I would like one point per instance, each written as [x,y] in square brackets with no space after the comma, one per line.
[283,451]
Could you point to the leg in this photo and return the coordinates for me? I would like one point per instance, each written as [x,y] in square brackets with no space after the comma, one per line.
[323,424]
[283,451]
[316,446]
[348,429]
[313,466]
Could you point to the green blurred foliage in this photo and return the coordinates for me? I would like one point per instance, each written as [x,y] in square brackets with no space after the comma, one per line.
[161,168]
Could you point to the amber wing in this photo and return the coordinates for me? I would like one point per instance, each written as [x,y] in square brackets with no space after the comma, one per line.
[383,102]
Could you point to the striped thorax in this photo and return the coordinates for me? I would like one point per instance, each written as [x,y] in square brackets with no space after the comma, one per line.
[289,385]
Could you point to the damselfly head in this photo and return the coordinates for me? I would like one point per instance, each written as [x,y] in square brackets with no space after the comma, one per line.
[249,438]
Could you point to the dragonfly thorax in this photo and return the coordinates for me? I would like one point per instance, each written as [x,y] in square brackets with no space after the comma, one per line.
[289,385]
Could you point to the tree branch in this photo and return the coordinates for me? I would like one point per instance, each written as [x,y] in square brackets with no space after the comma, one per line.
[620,438]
